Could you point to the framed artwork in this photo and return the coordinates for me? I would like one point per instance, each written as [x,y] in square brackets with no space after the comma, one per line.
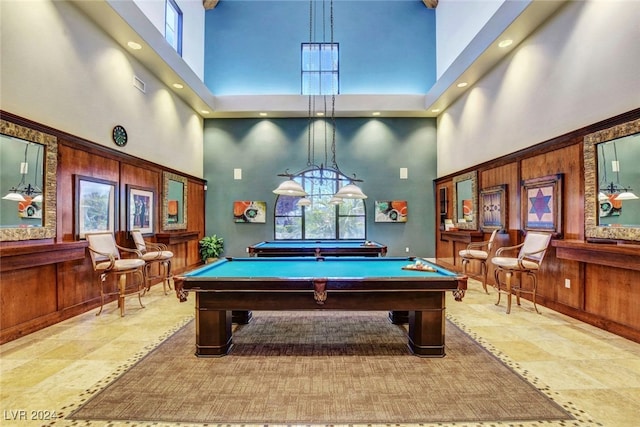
[391,211]
[250,211]
[542,204]
[96,205]
[443,201]
[140,209]
[493,208]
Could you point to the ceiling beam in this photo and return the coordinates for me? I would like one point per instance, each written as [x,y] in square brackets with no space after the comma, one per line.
[431,4]
[210,4]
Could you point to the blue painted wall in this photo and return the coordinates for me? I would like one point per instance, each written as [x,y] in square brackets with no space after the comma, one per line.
[377,56]
[374,149]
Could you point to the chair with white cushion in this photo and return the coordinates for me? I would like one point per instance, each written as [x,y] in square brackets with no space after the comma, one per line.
[478,251]
[154,253]
[105,256]
[527,263]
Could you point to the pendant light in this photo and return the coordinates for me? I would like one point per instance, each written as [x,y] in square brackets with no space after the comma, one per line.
[617,191]
[18,192]
[293,188]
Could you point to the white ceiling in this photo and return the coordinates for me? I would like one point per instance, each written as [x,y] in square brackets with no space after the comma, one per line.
[124,21]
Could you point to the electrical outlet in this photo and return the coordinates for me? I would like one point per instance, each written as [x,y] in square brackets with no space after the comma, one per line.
[567,283]
[406,249]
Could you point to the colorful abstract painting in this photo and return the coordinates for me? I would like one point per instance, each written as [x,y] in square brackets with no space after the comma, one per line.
[391,211]
[250,211]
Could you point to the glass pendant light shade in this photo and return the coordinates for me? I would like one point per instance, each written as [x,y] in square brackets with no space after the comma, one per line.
[304,202]
[626,195]
[16,197]
[350,191]
[290,188]
[335,200]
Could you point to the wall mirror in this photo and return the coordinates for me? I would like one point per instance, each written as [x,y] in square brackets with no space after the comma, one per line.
[465,201]
[29,161]
[174,202]
[612,183]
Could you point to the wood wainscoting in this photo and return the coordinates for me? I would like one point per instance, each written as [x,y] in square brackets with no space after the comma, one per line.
[47,281]
[597,283]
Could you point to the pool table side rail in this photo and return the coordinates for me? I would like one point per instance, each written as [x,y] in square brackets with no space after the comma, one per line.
[184,284]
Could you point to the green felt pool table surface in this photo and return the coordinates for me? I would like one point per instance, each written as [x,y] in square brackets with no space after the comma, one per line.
[239,285]
[324,247]
[289,268]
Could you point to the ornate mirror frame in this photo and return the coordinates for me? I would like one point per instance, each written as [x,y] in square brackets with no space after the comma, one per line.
[166,224]
[473,177]
[591,228]
[50,142]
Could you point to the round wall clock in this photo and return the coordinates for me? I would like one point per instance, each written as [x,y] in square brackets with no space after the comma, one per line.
[119,136]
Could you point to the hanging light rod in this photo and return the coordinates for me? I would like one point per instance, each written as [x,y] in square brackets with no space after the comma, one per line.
[613,191]
[291,187]
[617,192]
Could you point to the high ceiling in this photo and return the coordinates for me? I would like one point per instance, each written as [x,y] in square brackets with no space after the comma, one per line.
[124,22]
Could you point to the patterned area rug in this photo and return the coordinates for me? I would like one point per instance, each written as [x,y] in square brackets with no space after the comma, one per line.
[316,367]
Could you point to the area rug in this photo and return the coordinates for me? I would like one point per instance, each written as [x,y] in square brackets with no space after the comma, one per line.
[318,367]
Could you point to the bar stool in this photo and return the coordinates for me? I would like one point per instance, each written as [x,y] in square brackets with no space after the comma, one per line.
[153,253]
[475,252]
[528,262]
[106,260]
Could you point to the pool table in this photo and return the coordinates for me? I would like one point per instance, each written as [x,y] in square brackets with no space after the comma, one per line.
[317,248]
[306,283]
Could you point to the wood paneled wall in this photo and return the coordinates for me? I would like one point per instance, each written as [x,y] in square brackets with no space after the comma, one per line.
[38,289]
[598,294]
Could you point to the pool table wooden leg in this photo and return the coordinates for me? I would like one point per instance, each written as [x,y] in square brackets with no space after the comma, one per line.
[213,330]
[399,317]
[241,317]
[427,329]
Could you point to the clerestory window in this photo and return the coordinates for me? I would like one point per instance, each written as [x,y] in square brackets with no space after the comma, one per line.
[173,25]
[320,71]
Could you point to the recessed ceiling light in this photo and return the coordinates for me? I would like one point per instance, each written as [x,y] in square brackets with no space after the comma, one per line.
[178,86]
[205,111]
[462,84]
[375,113]
[505,43]
[319,113]
[263,114]
[134,45]
[435,110]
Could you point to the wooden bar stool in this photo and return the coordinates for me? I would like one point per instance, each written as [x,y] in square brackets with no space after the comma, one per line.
[106,260]
[154,253]
[475,252]
[527,263]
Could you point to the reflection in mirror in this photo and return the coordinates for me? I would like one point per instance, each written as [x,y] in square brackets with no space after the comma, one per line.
[465,201]
[612,208]
[28,175]
[174,202]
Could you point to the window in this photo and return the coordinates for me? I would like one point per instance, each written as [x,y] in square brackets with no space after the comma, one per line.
[173,26]
[320,73]
[321,220]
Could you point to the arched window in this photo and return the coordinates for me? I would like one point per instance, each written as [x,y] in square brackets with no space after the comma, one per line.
[320,220]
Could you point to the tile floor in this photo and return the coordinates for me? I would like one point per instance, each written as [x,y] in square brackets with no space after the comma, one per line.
[595,374]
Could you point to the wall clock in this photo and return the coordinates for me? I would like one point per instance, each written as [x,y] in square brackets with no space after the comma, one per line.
[119,136]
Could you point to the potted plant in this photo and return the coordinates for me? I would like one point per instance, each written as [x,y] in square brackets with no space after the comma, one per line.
[211,247]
